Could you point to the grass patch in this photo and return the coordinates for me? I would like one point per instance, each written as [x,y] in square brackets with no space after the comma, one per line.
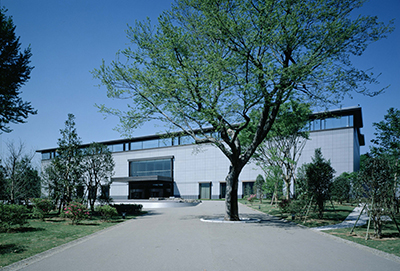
[332,215]
[39,236]
[390,242]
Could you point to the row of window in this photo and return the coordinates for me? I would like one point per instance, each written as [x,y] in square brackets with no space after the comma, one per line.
[314,125]
[138,145]
[153,143]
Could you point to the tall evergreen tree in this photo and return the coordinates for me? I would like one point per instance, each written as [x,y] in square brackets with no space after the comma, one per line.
[14,72]
[67,163]
[319,175]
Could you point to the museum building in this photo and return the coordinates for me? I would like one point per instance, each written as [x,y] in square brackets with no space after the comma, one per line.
[159,166]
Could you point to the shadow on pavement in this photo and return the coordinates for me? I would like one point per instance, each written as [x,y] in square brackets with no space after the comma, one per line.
[266,221]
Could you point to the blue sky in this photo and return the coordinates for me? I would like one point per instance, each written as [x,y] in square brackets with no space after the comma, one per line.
[70,38]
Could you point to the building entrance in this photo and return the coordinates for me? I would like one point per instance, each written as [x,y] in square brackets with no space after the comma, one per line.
[148,189]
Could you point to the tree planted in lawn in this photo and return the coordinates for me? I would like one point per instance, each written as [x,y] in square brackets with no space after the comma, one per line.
[319,175]
[387,142]
[21,179]
[98,167]
[64,174]
[374,187]
[212,63]
[283,146]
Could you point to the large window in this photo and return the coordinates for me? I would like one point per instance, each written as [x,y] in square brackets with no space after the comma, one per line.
[332,123]
[161,167]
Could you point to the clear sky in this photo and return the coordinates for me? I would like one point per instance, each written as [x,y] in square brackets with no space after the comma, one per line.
[70,38]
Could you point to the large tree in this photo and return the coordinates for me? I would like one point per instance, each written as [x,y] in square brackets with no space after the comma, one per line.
[211,63]
[14,72]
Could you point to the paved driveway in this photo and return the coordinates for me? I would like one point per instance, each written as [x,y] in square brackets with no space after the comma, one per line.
[175,239]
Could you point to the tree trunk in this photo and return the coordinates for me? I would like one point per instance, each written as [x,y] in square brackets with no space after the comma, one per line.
[395,198]
[378,227]
[93,198]
[287,183]
[231,198]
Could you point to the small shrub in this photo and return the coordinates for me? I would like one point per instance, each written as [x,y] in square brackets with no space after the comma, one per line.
[341,186]
[107,211]
[76,212]
[296,208]
[42,207]
[284,205]
[129,209]
[252,197]
[12,214]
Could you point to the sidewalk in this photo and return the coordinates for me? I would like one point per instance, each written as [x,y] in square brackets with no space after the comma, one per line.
[174,239]
[349,221]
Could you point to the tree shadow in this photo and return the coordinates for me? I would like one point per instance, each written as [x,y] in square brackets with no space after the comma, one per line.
[88,224]
[148,213]
[55,220]
[11,248]
[265,220]
[24,229]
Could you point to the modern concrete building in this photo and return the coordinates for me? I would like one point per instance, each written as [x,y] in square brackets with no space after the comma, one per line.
[161,166]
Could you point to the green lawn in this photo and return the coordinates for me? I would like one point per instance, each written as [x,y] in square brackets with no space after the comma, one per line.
[332,215]
[39,236]
[390,242]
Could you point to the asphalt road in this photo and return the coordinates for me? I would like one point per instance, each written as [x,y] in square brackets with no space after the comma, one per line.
[175,239]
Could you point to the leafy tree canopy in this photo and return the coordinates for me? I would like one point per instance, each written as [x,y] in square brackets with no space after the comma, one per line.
[388,134]
[211,63]
[14,72]
[375,186]
[98,167]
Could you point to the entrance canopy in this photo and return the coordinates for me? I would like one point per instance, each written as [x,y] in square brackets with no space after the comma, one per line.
[155,178]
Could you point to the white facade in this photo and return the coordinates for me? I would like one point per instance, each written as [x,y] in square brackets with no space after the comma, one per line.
[337,145]
[192,165]
[199,171]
